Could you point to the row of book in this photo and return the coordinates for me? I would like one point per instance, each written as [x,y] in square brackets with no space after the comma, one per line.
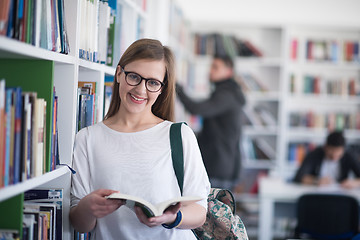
[220,44]
[251,83]
[259,116]
[328,51]
[103,32]
[297,151]
[23,135]
[88,102]
[331,120]
[42,216]
[318,85]
[258,149]
[37,22]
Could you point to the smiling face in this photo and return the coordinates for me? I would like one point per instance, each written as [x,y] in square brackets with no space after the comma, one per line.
[137,99]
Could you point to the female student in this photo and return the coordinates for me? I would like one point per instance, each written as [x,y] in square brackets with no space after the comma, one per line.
[129,152]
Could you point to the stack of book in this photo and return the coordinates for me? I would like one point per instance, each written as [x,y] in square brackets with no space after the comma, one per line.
[22,135]
[322,50]
[316,84]
[37,22]
[87,104]
[259,116]
[297,152]
[351,51]
[215,43]
[251,83]
[43,214]
[258,149]
[330,120]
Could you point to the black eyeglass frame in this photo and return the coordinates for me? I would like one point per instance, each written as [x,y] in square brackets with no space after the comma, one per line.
[141,79]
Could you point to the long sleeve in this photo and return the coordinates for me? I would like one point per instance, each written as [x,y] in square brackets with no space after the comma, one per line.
[220,101]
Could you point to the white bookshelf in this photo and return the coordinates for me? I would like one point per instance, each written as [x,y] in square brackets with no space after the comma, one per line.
[68,71]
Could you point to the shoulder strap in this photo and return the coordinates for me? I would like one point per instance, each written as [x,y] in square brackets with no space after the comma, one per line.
[177,153]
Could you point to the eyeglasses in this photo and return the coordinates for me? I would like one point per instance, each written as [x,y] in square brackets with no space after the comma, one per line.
[134,79]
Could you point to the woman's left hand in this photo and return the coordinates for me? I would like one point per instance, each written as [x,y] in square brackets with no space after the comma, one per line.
[168,216]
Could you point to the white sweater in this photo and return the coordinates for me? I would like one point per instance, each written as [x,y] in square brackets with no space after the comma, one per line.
[138,164]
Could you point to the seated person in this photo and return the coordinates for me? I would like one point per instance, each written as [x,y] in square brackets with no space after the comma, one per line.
[330,164]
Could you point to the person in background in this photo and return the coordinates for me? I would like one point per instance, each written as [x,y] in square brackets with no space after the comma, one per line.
[129,152]
[330,164]
[219,139]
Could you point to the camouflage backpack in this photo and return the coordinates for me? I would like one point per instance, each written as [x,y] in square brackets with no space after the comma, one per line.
[221,221]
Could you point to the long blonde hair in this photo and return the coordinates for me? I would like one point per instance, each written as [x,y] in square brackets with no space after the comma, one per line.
[149,49]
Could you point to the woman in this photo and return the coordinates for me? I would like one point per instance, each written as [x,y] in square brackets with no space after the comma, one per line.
[130,152]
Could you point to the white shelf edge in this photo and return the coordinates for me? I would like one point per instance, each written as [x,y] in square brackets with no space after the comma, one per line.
[319,65]
[303,132]
[326,98]
[93,66]
[260,130]
[17,49]
[13,190]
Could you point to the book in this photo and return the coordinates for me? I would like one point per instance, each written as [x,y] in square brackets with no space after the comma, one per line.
[150,209]
[4,15]
[2,132]
[52,197]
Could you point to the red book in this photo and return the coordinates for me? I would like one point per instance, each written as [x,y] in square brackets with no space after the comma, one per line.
[309,50]
[316,86]
[294,46]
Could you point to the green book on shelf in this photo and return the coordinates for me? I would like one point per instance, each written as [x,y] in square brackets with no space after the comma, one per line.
[33,76]
[11,214]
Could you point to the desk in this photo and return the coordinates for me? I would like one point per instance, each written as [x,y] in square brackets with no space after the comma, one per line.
[275,190]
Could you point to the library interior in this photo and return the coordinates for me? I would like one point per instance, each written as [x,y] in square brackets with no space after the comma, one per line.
[294,64]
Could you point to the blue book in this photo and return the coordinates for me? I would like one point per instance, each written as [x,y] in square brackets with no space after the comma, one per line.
[8,103]
[356,56]
[18,131]
[89,109]
[10,26]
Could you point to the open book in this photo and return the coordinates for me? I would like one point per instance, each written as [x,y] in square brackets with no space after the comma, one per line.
[149,209]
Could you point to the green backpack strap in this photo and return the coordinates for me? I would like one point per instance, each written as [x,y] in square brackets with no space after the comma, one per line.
[177,153]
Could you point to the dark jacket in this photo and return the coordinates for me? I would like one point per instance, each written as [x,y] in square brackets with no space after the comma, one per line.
[220,136]
[312,165]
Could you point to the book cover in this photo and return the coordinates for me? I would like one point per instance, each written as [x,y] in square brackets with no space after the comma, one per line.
[11,17]
[17,134]
[2,131]
[54,196]
[4,15]
[150,209]
[8,114]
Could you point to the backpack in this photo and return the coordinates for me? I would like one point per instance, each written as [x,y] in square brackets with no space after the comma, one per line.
[221,221]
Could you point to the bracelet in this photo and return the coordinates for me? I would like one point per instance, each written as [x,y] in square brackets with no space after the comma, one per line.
[176,223]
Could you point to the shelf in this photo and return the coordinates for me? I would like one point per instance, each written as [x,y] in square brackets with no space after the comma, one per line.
[324,99]
[260,61]
[318,133]
[348,66]
[88,65]
[10,48]
[263,96]
[16,189]
[260,130]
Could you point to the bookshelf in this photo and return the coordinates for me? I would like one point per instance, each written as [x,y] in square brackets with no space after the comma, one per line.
[279,69]
[37,69]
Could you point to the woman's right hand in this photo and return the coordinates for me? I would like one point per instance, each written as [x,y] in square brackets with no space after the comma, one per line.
[97,205]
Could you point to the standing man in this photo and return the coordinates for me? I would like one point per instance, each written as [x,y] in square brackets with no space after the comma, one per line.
[219,139]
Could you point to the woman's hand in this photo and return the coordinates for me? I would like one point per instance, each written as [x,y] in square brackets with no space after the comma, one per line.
[168,216]
[98,206]
[94,205]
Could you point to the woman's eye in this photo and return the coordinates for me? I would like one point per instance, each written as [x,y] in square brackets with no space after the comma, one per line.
[153,83]
[133,77]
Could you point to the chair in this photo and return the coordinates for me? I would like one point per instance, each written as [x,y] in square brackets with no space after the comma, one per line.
[327,216]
